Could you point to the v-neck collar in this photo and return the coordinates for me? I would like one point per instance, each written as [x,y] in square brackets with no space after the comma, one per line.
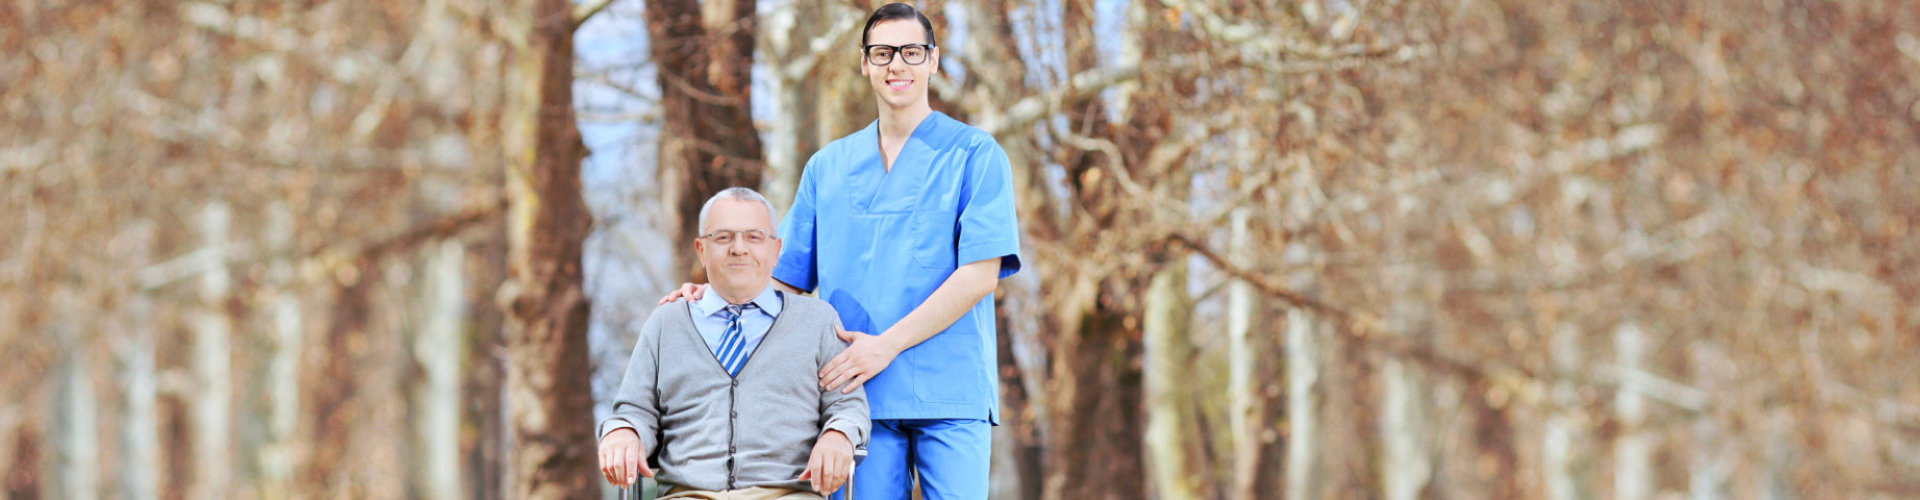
[715,361]
[876,183]
[918,136]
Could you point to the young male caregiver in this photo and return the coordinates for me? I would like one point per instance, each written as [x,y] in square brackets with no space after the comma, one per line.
[905,227]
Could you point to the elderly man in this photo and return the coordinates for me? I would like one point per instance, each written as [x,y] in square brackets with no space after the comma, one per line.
[725,388]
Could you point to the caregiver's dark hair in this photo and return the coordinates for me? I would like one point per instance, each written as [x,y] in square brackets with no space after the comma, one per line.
[896,12]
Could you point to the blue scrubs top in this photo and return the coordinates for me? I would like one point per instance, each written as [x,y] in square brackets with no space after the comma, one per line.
[875,244]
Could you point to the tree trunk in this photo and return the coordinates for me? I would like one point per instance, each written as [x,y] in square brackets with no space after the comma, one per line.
[809,52]
[1169,351]
[334,381]
[1707,468]
[1403,430]
[1025,427]
[1270,476]
[1774,480]
[1633,450]
[22,480]
[1304,467]
[438,348]
[1561,438]
[1096,409]
[485,455]
[76,443]
[1405,415]
[1494,433]
[1244,404]
[213,364]
[785,43]
[991,49]
[382,454]
[138,473]
[547,369]
[282,367]
[703,55]
[1714,453]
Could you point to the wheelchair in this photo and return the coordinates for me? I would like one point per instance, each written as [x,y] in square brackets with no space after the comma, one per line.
[647,489]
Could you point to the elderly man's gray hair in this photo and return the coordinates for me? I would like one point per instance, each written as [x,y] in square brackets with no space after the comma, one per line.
[743,194]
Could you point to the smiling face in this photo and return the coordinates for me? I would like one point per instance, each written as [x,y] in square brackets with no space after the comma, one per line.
[739,269]
[900,85]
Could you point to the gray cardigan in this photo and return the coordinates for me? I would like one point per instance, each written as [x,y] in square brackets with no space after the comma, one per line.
[723,433]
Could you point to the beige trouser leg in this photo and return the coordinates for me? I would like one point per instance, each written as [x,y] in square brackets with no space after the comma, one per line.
[755,493]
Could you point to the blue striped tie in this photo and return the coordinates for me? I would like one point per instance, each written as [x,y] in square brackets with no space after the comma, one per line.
[733,346]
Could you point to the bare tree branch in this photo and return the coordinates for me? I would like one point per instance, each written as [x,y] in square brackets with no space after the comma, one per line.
[595,116]
[441,228]
[1080,87]
[625,89]
[1258,280]
[319,260]
[584,11]
[817,48]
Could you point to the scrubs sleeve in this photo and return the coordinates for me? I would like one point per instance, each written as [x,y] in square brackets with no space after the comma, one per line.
[798,266]
[989,226]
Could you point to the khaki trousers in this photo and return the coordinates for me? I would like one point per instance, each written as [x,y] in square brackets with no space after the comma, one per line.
[754,493]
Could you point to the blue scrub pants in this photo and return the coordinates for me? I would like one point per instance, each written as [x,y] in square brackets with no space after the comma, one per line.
[951,456]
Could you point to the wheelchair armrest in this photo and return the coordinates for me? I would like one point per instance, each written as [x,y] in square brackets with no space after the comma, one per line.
[640,488]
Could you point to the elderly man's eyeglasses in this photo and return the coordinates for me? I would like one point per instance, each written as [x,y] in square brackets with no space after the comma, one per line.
[725,237]
[913,54]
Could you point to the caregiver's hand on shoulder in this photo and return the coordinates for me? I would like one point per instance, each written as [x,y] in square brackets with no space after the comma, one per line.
[690,291]
[865,356]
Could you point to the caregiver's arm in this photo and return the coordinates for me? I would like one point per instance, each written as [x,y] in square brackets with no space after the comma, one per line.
[866,355]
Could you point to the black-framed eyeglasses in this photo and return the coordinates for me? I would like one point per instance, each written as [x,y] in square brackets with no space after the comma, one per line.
[913,53]
[724,237]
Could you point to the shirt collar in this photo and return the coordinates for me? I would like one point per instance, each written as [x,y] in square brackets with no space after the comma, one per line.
[710,303]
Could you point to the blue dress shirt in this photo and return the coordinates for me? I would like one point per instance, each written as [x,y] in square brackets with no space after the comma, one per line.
[709,316]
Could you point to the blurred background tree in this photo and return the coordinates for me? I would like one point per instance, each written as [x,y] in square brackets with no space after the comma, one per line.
[1300,249]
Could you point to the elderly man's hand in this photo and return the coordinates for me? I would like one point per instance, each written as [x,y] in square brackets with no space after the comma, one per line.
[830,464]
[622,459]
